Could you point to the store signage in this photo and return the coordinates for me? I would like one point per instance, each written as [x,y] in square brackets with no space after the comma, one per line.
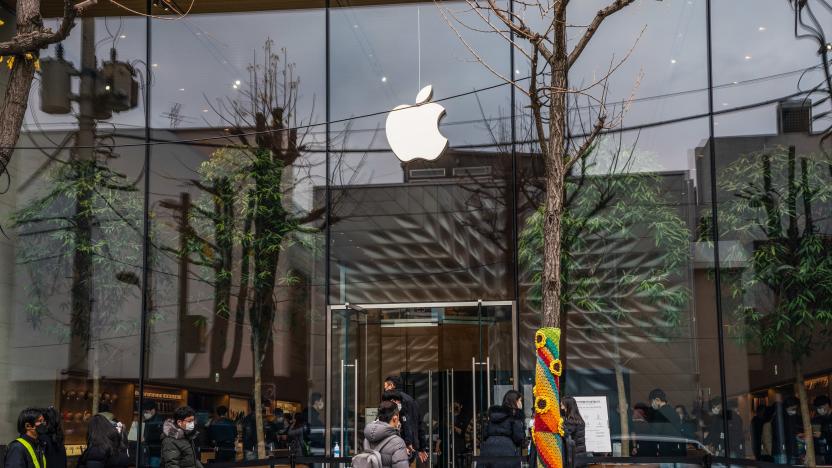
[413,130]
[595,414]
[160,396]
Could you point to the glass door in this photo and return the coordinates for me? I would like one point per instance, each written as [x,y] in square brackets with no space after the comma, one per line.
[454,359]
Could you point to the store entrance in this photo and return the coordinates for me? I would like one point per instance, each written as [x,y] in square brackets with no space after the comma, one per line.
[447,355]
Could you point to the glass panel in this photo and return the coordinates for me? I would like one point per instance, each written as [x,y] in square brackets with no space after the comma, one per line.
[238,305]
[771,188]
[71,252]
[441,354]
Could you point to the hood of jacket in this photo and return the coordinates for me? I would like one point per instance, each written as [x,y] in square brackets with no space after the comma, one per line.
[170,429]
[499,413]
[377,431]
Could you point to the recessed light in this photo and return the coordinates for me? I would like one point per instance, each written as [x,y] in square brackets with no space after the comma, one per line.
[155,65]
[181,89]
[107,87]
[761,28]
[748,57]
[672,60]
[384,79]
[237,82]
[123,36]
[735,82]
[204,110]
[234,86]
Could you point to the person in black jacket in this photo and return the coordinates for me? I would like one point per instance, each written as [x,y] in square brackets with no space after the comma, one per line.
[664,425]
[504,434]
[105,446]
[222,433]
[574,430]
[178,434]
[30,425]
[822,430]
[412,430]
[53,440]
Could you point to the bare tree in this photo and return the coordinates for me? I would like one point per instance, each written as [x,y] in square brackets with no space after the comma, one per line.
[548,92]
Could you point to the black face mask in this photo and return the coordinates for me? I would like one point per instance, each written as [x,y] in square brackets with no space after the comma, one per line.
[42,429]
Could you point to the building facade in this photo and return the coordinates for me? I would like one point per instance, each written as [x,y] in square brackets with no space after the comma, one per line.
[204,210]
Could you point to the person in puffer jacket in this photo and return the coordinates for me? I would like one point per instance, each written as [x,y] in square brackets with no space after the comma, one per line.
[178,446]
[574,431]
[504,433]
[383,435]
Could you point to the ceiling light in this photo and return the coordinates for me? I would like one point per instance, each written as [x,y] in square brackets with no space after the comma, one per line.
[237,82]
[761,28]
[181,89]
[384,79]
[672,60]
[204,110]
[155,65]
[234,86]
[748,57]
[123,36]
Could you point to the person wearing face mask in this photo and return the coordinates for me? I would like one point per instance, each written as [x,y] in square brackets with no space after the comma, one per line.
[411,415]
[787,428]
[152,434]
[382,435]
[27,450]
[664,423]
[105,446]
[822,429]
[505,433]
[715,431]
[222,433]
[178,434]
[280,427]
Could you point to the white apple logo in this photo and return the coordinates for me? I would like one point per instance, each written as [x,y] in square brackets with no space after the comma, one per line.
[413,131]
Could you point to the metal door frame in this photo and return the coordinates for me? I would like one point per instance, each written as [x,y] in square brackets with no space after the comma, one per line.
[515,367]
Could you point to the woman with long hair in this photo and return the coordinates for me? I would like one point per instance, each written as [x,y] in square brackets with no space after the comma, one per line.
[53,439]
[105,446]
[574,430]
[504,433]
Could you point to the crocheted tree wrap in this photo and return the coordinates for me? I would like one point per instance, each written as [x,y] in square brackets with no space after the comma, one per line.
[548,425]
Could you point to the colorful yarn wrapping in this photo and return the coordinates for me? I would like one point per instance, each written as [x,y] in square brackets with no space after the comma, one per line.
[547,432]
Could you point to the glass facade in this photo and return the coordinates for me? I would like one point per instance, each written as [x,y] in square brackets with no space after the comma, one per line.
[206,211]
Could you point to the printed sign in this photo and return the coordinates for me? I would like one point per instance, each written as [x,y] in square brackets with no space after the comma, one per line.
[594,412]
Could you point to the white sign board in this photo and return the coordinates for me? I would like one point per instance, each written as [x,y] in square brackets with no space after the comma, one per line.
[594,412]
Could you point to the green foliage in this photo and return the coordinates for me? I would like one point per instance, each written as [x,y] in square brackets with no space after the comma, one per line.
[605,218]
[778,215]
[87,212]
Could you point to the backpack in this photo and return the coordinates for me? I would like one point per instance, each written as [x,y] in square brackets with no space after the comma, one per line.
[371,457]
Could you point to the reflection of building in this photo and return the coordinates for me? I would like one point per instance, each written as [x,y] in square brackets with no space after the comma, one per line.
[757,375]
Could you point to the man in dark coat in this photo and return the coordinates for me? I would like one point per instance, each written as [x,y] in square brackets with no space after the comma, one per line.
[178,434]
[412,430]
[27,451]
[664,424]
[222,433]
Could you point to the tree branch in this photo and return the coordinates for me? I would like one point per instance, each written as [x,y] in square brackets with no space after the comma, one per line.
[602,14]
[33,41]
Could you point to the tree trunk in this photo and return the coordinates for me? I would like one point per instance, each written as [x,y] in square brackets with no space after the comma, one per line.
[623,413]
[258,396]
[13,108]
[96,380]
[800,389]
[553,215]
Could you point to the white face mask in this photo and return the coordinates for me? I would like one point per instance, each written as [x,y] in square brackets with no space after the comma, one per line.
[716,410]
[791,412]
[655,404]
[823,411]
[147,415]
[399,405]
[190,426]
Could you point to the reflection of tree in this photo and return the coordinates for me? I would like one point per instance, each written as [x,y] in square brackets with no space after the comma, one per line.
[780,206]
[609,279]
[248,216]
[83,237]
